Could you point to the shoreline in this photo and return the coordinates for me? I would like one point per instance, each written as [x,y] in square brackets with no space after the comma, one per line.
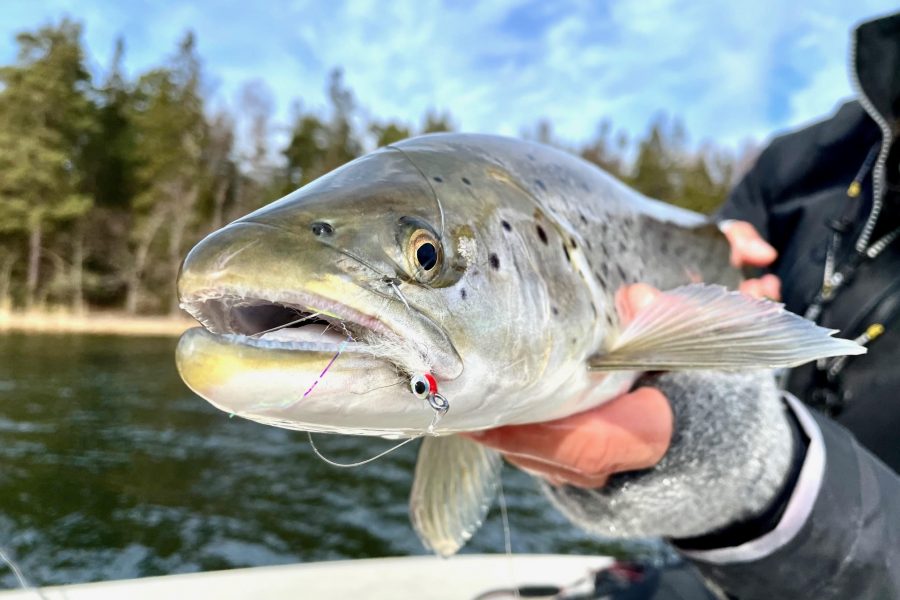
[102,323]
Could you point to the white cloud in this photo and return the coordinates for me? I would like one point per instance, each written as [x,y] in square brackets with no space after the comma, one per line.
[731,72]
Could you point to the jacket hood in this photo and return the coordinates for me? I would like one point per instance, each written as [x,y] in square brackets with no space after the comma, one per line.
[876,61]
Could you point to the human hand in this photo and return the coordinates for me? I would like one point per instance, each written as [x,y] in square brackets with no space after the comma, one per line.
[629,433]
[749,249]
[695,452]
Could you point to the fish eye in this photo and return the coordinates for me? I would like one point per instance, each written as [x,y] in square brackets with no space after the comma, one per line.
[425,255]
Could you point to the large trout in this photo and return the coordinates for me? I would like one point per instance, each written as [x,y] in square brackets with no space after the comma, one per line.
[465,271]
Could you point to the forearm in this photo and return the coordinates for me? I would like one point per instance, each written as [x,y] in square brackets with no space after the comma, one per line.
[725,463]
[839,536]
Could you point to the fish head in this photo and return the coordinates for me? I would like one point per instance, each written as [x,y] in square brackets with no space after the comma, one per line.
[320,309]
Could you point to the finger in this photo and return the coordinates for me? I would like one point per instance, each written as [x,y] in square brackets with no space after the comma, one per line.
[767,286]
[771,286]
[752,288]
[747,246]
[631,299]
[630,432]
[558,475]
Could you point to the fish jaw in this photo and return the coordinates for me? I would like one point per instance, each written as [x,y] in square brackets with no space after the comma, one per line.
[281,383]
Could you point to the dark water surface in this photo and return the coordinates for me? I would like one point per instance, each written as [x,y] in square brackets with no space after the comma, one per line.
[111,468]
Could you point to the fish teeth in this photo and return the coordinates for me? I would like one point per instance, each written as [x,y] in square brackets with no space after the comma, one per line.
[308,333]
[292,344]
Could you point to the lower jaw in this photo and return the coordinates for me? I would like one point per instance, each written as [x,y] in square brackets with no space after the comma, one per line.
[327,386]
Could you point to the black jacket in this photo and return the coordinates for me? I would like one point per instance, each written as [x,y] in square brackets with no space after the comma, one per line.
[800,192]
[797,194]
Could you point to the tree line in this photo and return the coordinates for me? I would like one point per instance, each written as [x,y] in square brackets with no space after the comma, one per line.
[106,181]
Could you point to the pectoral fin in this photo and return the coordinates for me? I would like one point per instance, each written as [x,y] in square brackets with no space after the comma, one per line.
[455,483]
[702,326]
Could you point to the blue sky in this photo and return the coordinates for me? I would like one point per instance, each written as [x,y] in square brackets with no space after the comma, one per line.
[731,72]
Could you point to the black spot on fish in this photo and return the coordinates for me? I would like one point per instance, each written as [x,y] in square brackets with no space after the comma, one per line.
[583,218]
[601,278]
[574,245]
[506,225]
[604,268]
[495,261]
[540,184]
[438,179]
[462,293]
[588,242]
[622,246]
[554,310]
[609,319]
[322,229]
[566,250]
[466,181]
[622,273]
[530,156]
[541,233]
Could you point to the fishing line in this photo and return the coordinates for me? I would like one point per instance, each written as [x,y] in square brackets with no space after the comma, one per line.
[396,289]
[290,403]
[507,537]
[300,320]
[20,577]
[362,462]
[434,421]
[437,200]
[325,370]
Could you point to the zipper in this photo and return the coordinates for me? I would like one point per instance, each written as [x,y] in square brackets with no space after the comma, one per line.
[887,139]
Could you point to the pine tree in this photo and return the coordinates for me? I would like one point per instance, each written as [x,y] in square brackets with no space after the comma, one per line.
[388,133]
[170,134]
[46,120]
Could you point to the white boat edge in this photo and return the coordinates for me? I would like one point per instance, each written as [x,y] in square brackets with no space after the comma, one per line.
[462,577]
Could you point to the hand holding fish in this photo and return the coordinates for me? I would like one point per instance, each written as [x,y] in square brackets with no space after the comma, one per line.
[629,433]
[695,453]
[749,249]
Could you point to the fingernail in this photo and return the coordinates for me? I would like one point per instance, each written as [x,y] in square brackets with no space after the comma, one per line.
[760,246]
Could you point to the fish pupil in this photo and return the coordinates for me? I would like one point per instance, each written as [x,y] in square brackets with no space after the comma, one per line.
[420,387]
[426,254]
[319,229]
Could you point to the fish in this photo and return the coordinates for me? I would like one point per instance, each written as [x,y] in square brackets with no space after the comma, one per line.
[477,270]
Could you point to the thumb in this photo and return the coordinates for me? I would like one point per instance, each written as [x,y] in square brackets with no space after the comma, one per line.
[631,299]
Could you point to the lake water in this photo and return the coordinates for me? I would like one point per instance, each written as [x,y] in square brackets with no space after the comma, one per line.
[111,468]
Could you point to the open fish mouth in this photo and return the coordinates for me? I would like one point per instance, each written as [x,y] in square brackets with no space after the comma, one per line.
[297,361]
[298,321]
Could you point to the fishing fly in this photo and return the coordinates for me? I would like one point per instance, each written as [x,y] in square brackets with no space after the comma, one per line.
[424,387]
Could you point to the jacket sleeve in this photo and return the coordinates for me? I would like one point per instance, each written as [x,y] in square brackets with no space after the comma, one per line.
[839,536]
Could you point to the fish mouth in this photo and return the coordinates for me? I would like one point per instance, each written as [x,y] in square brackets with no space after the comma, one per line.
[295,321]
[264,357]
